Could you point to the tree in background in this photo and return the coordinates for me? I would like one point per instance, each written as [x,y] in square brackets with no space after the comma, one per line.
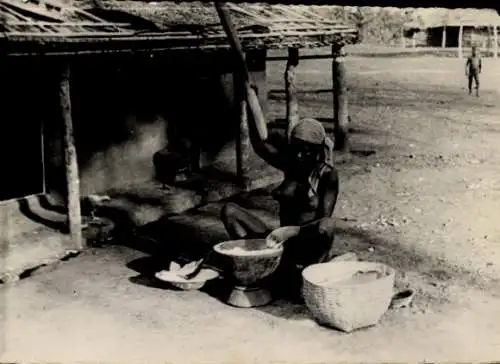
[375,25]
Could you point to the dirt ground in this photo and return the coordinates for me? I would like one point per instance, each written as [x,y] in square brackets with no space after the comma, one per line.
[425,202]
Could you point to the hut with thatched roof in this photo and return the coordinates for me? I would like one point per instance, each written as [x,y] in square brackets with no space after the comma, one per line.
[119,98]
[456,28]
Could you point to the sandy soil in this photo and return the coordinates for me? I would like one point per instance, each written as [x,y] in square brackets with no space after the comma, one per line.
[425,202]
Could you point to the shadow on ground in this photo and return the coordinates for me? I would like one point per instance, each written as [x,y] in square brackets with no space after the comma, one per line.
[374,93]
[146,267]
[38,215]
[191,236]
[280,94]
[48,205]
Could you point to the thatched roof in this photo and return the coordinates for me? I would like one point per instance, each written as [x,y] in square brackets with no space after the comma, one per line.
[457,4]
[167,13]
[165,25]
[439,17]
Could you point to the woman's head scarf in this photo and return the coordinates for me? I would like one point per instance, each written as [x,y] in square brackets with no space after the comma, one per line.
[312,131]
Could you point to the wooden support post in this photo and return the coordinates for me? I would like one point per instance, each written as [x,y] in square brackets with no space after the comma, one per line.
[403,38]
[340,100]
[490,40]
[495,41]
[255,64]
[6,225]
[443,38]
[292,105]
[252,99]
[460,37]
[71,163]
[243,147]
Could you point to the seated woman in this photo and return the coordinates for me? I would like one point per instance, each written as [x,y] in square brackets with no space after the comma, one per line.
[307,198]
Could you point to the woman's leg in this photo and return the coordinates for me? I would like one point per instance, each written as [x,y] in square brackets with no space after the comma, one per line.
[242,224]
[313,245]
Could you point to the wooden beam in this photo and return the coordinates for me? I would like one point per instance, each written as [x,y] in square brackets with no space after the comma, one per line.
[307,10]
[15,14]
[443,38]
[86,14]
[66,33]
[71,163]
[251,95]
[292,13]
[67,24]
[340,100]
[323,24]
[292,105]
[269,15]
[239,9]
[35,10]
[460,38]
[243,147]
[279,37]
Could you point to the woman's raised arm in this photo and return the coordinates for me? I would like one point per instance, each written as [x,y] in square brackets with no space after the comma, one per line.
[268,146]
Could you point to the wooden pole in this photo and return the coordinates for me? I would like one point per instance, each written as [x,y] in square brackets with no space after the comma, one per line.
[71,163]
[5,239]
[491,49]
[251,96]
[460,37]
[340,100]
[243,146]
[488,41]
[403,38]
[414,40]
[495,41]
[443,38]
[292,105]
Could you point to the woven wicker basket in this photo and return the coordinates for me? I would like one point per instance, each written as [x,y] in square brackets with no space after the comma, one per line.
[336,300]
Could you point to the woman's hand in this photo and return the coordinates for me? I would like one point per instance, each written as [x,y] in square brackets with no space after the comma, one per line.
[281,235]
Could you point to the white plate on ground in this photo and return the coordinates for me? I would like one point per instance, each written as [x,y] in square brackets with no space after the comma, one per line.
[205,274]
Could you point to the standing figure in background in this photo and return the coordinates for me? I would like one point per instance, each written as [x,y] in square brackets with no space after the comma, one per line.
[473,68]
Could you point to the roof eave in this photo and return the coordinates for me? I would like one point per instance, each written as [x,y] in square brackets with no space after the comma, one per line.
[473,4]
[154,43]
